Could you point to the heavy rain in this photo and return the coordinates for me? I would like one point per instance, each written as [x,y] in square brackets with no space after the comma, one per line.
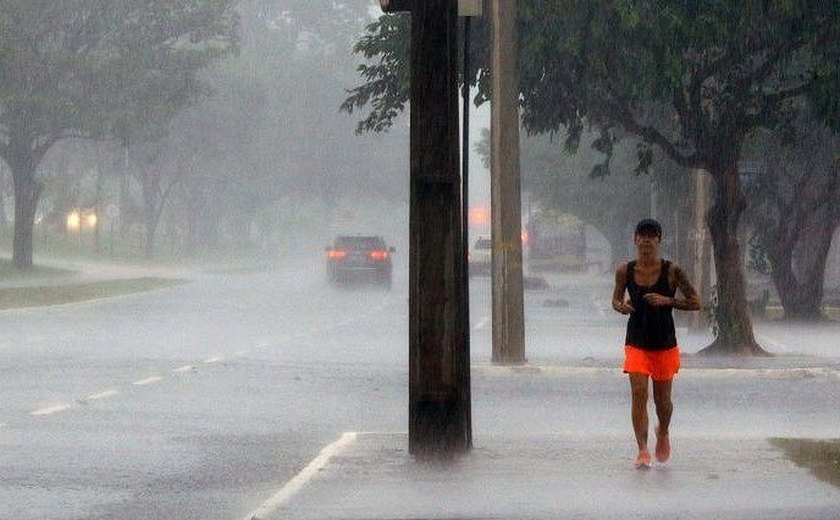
[242,277]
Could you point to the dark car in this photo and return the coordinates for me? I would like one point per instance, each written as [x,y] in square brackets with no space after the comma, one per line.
[359,258]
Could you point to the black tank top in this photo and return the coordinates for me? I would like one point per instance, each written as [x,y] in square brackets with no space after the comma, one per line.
[649,327]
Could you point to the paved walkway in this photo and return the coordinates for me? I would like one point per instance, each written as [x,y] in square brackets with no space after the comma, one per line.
[371,476]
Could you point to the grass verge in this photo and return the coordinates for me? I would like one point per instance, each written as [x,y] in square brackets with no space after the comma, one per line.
[822,457]
[38,296]
[8,271]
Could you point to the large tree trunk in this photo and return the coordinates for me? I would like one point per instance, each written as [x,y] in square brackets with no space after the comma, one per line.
[797,302]
[27,193]
[23,160]
[801,294]
[735,334]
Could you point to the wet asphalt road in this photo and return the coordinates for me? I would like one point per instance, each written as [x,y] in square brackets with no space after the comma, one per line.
[200,401]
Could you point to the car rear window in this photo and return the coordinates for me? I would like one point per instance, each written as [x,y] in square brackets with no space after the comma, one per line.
[360,242]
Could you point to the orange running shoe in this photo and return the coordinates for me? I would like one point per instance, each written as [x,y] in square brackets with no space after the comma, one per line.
[643,459]
[663,447]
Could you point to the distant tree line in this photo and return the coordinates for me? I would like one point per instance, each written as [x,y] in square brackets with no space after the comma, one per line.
[96,69]
[212,118]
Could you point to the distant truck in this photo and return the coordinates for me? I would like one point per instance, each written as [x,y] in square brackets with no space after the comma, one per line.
[481,256]
[556,242]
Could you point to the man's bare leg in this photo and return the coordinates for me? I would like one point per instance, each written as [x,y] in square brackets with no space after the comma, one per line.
[639,415]
[664,409]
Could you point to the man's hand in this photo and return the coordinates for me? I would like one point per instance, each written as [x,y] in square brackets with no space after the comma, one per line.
[658,300]
[624,307]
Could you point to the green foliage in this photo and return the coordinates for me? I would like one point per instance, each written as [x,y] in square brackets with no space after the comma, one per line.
[711,71]
[721,68]
[644,154]
[9,273]
[39,296]
[820,456]
[604,194]
[96,68]
[793,199]
[691,78]
[386,86]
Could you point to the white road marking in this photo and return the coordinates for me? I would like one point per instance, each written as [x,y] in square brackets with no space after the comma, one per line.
[301,479]
[102,395]
[185,368]
[147,381]
[50,410]
[214,359]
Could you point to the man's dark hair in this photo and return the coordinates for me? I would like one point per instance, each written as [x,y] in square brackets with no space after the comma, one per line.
[649,226]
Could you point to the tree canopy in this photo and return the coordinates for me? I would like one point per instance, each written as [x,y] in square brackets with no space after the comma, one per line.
[691,78]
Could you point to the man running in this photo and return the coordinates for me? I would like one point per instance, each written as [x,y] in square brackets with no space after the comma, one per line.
[651,349]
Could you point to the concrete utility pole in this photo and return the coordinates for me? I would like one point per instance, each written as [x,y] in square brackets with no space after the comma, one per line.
[700,245]
[505,190]
[439,359]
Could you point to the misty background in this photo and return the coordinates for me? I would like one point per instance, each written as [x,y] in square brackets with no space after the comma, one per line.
[264,165]
[188,188]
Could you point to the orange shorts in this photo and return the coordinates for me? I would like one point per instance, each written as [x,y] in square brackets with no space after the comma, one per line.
[660,365]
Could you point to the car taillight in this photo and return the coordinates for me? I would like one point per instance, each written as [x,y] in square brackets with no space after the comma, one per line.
[336,254]
[378,255]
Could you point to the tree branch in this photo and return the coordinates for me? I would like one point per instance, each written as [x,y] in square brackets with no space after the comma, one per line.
[650,134]
[41,148]
[770,102]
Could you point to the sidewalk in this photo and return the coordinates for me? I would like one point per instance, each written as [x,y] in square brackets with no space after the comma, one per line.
[371,476]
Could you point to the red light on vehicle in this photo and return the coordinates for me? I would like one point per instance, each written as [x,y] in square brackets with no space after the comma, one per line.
[524,237]
[336,254]
[379,255]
